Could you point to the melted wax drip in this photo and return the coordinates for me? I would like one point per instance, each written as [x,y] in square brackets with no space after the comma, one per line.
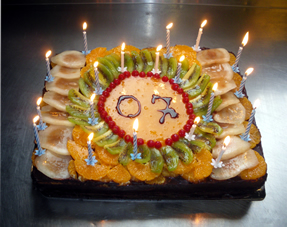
[167,110]
[122,98]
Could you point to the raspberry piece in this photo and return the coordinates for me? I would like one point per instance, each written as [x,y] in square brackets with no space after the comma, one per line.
[142,74]
[116,129]
[100,104]
[158,145]
[140,141]
[106,93]
[122,133]
[108,118]
[127,74]
[180,90]
[184,95]
[112,124]
[112,85]
[108,89]
[150,143]
[175,87]
[189,105]
[135,73]
[149,74]
[181,133]
[117,81]
[164,78]
[185,100]
[168,141]
[122,76]
[175,137]
[102,98]
[189,111]
[156,75]
[187,127]
[171,81]
[128,138]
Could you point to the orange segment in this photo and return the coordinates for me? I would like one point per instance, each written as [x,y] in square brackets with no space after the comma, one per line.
[237,79]
[128,49]
[119,174]
[89,172]
[232,59]
[79,136]
[202,167]
[95,53]
[167,173]
[255,172]
[77,151]
[141,171]
[255,135]
[183,168]
[248,107]
[188,52]
[72,169]
[106,157]
[105,179]
[158,180]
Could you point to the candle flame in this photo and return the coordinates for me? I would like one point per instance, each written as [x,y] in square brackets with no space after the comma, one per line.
[36,118]
[226,141]
[123,46]
[182,58]
[39,101]
[91,136]
[245,39]
[96,64]
[256,103]
[196,120]
[48,53]
[85,26]
[203,23]
[248,71]
[214,88]
[136,124]
[159,48]
[93,97]
[169,26]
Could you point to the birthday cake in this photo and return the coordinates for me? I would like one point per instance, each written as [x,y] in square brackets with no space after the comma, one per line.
[178,150]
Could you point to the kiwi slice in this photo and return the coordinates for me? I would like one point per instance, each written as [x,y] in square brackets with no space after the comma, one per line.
[191,77]
[145,154]
[116,147]
[108,75]
[184,67]
[197,145]
[153,55]
[198,88]
[85,88]
[124,157]
[156,161]
[203,98]
[209,139]
[183,151]
[172,67]
[164,66]
[147,59]
[110,66]
[202,110]
[98,129]
[171,157]
[210,127]
[129,62]
[77,121]
[114,59]
[89,78]
[106,138]
[79,111]
[77,98]
[138,62]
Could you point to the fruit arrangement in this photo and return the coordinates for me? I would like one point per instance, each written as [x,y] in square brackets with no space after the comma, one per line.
[68,111]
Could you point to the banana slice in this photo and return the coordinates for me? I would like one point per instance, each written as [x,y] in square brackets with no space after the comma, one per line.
[218,71]
[235,147]
[223,85]
[64,72]
[62,86]
[234,166]
[230,130]
[213,56]
[53,165]
[70,59]
[233,114]
[56,100]
[227,99]
[48,108]
[55,138]
[57,118]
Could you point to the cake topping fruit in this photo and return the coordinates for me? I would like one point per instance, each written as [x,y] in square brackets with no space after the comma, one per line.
[70,59]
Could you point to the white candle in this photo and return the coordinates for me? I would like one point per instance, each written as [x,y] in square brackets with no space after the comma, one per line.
[246,134]
[207,117]
[244,42]
[225,144]
[135,142]
[123,57]
[199,35]
[98,92]
[176,79]
[168,27]
[39,111]
[85,38]
[49,78]
[40,151]
[157,58]
[242,84]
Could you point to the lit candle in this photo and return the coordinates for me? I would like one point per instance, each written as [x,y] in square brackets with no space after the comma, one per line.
[49,77]
[123,58]
[246,136]
[40,151]
[177,77]
[42,125]
[244,42]
[135,154]
[199,35]
[218,163]
[91,160]
[92,120]
[168,27]
[189,136]
[242,84]
[85,38]
[157,58]
[98,90]
[208,116]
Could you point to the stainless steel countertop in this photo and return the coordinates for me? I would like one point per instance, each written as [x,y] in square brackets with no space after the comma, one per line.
[28,31]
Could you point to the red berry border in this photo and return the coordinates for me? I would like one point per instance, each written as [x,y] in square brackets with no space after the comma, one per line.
[121,133]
